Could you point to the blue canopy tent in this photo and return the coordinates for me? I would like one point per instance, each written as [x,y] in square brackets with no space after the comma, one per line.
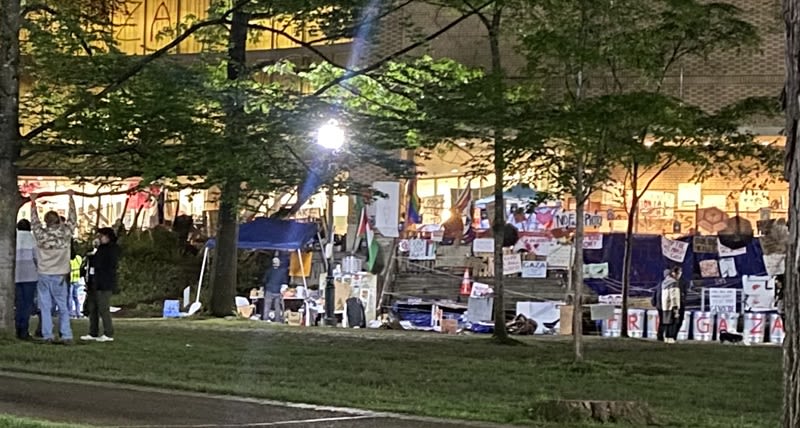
[267,234]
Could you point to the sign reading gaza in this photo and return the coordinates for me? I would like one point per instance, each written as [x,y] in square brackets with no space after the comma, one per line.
[567,220]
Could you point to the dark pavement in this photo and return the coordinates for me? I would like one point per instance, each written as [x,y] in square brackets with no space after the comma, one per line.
[108,405]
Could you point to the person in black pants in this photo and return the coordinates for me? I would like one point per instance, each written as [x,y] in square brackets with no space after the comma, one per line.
[103,273]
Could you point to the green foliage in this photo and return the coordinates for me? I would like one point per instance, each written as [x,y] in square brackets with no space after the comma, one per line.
[154,267]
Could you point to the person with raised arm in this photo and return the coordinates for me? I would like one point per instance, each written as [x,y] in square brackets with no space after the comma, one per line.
[53,240]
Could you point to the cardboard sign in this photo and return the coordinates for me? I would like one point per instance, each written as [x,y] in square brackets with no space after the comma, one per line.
[722,300]
[534,269]
[483,245]
[512,264]
[754,327]
[776,331]
[727,268]
[674,250]
[703,326]
[420,249]
[705,244]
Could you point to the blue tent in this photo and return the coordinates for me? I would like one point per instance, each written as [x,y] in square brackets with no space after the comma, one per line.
[273,234]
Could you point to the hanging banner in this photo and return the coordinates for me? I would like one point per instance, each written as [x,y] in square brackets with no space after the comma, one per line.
[674,250]
[534,269]
[754,327]
[636,321]
[593,241]
[709,268]
[775,264]
[539,245]
[387,209]
[727,252]
[567,220]
[595,271]
[776,330]
[727,268]
[705,244]
[759,293]
[722,300]
[703,326]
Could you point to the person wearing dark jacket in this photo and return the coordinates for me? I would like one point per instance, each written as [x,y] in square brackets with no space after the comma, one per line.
[103,284]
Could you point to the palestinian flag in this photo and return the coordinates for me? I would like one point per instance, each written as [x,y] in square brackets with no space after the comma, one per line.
[364,228]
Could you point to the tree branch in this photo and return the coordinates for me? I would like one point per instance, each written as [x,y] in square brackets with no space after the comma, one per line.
[374,66]
[132,71]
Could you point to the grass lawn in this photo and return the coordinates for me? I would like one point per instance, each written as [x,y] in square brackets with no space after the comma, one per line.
[12,422]
[467,377]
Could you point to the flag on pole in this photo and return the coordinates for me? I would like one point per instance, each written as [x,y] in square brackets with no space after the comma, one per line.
[463,206]
[413,215]
[364,228]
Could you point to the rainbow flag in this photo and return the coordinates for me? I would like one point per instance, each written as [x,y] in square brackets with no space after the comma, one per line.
[413,215]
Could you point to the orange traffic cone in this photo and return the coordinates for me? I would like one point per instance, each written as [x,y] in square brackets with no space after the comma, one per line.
[466,284]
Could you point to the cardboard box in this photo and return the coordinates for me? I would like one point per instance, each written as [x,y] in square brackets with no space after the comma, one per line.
[566,320]
[294,318]
[449,326]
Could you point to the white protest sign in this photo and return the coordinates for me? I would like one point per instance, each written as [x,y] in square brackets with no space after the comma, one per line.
[567,220]
[727,252]
[595,271]
[674,250]
[512,263]
[483,245]
[387,209]
[593,241]
[759,293]
[535,244]
[534,269]
[722,300]
[561,256]
[610,299]
[420,249]
[775,264]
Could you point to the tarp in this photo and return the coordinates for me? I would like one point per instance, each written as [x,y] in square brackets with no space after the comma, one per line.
[648,264]
[273,234]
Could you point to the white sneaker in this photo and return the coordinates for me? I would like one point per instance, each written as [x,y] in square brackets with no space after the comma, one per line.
[105,338]
[89,338]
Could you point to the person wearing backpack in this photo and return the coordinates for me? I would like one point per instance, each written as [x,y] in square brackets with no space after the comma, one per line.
[102,272]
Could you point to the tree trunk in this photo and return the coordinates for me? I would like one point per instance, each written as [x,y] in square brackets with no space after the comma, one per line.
[791,344]
[628,255]
[500,331]
[577,267]
[225,263]
[223,292]
[9,152]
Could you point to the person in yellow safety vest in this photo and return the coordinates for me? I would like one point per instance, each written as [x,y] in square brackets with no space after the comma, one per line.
[73,302]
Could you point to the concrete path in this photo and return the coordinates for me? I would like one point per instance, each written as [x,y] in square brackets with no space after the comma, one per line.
[111,405]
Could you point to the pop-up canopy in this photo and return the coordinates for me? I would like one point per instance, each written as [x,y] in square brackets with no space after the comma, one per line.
[273,234]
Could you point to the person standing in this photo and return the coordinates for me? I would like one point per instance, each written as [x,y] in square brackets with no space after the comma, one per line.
[53,239]
[102,285]
[670,304]
[274,279]
[74,282]
[26,276]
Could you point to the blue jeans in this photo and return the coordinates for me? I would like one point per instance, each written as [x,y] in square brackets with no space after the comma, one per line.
[74,303]
[52,292]
[23,302]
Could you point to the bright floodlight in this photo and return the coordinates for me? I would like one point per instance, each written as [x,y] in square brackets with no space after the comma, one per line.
[331,136]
